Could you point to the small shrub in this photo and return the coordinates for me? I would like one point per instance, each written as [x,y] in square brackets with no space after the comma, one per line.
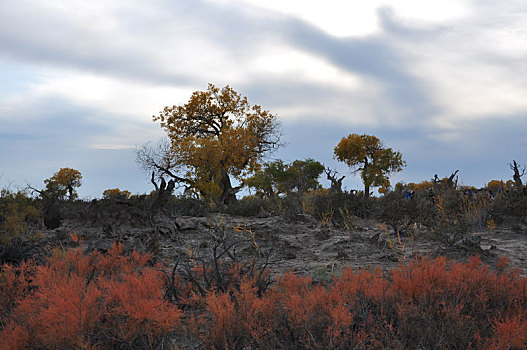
[341,205]
[253,206]
[510,207]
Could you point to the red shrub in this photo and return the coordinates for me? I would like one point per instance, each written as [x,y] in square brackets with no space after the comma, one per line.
[96,300]
[426,304]
[116,301]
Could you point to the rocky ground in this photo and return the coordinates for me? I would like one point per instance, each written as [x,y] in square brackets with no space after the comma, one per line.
[304,244]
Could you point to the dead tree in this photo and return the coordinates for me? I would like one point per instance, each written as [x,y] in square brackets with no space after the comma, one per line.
[159,218]
[517,177]
[336,184]
[451,183]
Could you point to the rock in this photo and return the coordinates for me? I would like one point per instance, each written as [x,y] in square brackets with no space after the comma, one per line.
[470,242]
[323,234]
[342,256]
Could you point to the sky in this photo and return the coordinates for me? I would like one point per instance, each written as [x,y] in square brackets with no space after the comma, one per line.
[443,82]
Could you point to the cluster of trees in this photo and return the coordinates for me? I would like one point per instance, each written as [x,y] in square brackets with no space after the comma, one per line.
[216,144]
[218,136]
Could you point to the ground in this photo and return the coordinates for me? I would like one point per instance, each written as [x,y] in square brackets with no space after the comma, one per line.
[305,245]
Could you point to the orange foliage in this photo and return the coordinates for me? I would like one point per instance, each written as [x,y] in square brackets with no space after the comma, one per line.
[84,301]
[115,300]
[115,193]
[427,303]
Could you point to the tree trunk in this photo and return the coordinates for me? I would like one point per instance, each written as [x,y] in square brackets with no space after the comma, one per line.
[366,180]
[228,193]
[367,190]
[517,176]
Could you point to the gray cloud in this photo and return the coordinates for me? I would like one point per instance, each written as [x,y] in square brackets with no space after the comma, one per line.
[183,43]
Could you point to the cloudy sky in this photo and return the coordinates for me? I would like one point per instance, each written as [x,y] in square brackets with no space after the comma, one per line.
[444,82]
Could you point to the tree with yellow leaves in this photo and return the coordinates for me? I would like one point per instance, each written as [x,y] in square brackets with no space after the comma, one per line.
[367,154]
[216,135]
[116,193]
[67,179]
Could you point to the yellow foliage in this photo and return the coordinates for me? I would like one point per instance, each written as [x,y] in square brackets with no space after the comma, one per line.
[215,135]
[67,179]
[367,154]
[115,193]
[496,184]
[421,186]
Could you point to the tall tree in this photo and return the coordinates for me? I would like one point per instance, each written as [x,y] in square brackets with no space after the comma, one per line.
[216,135]
[366,154]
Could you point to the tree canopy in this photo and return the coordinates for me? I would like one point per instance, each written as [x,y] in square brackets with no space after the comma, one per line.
[277,177]
[366,154]
[66,179]
[216,135]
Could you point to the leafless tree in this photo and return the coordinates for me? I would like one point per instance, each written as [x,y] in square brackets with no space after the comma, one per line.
[517,177]
[336,184]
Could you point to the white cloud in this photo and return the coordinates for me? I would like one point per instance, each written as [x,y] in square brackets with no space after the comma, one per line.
[111,96]
[290,63]
[420,12]
[339,18]
[112,147]
[344,18]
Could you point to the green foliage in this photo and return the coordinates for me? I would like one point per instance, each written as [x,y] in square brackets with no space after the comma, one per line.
[268,181]
[276,177]
[302,176]
[18,213]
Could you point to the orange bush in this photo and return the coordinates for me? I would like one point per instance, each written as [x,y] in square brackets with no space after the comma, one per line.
[425,304]
[114,300]
[91,301]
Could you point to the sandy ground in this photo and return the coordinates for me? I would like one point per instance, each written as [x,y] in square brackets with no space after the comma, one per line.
[308,246]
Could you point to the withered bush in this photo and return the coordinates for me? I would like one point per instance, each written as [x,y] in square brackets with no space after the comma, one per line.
[251,206]
[399,212]
[340,206]
[23,247]
[510,207]
[220,264]
[457,215]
